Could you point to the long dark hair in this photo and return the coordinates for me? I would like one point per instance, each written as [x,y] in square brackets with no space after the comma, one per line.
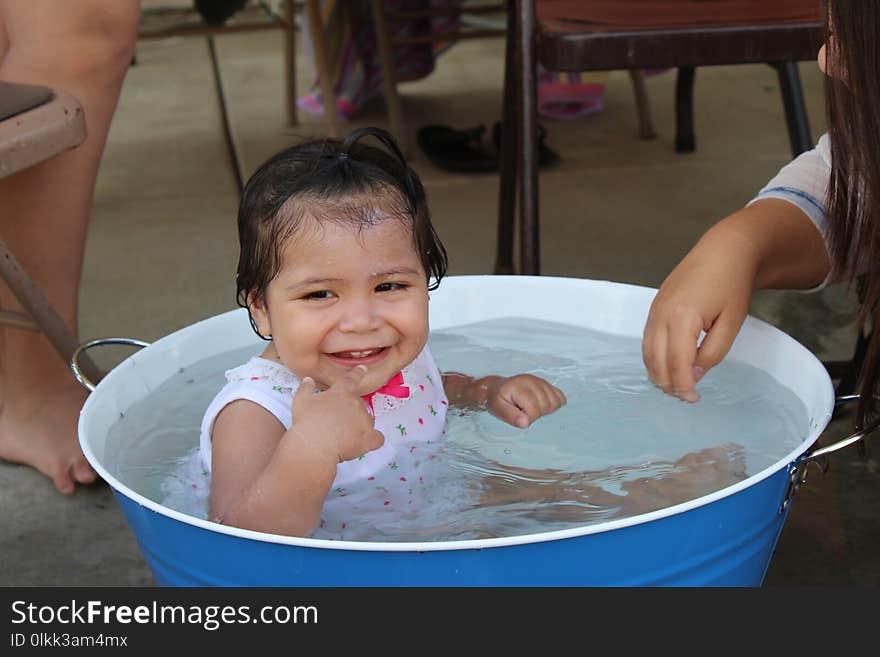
[346,176]
[852,94]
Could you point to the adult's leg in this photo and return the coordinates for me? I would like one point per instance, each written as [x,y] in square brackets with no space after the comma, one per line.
[84,48]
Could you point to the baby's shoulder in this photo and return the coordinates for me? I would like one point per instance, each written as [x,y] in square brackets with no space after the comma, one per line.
[259,371]
[263,382]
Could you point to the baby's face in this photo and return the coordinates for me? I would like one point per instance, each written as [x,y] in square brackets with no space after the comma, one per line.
[347,296]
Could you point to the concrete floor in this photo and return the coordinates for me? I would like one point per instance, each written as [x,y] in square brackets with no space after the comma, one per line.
[162,251]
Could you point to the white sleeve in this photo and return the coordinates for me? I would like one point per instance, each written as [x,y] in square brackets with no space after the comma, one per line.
[803,182]
[258,392]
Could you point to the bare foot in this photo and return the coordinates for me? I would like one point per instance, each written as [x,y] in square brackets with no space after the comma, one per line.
[45,437]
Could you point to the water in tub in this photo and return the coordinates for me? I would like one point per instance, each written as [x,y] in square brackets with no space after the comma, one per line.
[619,447]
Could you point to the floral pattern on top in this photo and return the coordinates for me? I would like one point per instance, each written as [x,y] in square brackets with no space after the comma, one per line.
[406,422]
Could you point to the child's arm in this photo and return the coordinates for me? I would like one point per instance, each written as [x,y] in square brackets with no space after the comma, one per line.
[267,479]
[769,244]
[518,400]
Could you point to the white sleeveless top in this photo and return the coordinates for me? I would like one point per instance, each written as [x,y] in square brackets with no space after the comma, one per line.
[404,421]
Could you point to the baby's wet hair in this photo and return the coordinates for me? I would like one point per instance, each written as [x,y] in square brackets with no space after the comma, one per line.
[346,180]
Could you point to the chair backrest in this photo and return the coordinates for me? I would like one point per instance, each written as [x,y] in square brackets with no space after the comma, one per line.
[576,35]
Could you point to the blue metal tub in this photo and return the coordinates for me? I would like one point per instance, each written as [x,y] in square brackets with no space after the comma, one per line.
[723,539]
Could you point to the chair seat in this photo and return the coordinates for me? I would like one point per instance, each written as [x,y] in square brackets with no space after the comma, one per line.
[41,124]
[611,34]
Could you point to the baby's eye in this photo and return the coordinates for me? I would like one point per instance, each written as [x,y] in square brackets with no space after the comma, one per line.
[388,287]
[320,294]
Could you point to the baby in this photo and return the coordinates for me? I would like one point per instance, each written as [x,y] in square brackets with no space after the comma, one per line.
[338,255]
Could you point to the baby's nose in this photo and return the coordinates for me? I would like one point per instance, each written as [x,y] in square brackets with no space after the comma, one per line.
[359,315]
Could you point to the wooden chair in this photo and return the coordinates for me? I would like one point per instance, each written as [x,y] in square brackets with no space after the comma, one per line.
[36,124]
[576,35]
[588,35]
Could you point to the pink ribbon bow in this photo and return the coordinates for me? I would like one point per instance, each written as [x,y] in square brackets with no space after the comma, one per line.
[394,388]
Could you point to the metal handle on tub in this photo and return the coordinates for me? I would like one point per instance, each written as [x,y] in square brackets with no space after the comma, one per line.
[849,440]
[74,358]
[798,474]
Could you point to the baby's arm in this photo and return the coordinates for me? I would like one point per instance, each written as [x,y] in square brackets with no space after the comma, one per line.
[263,477]
[518,400]
[267,479]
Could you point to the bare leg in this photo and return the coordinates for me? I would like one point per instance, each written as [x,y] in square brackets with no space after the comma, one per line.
[84,48]
[692,476]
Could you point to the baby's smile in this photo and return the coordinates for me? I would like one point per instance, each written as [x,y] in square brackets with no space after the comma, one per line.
[353,357]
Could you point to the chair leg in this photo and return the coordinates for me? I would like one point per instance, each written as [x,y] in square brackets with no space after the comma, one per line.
[507,155]
[290,64]
[685,141]
[389,75]
[527,90]
[643,106]
[322,63]
[38,307]
[795,109]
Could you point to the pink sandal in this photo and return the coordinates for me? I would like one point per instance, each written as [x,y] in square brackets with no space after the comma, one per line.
[567,96]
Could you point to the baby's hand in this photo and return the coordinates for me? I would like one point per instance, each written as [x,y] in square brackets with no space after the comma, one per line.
[520,400]
[337,417]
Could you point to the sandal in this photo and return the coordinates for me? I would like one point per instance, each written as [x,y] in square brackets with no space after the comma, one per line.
[456,150]
[463,151]
[546,156]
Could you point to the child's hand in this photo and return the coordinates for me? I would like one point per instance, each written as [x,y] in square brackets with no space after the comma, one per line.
[709,290]
[520,400]
[337,417]
[768,244]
